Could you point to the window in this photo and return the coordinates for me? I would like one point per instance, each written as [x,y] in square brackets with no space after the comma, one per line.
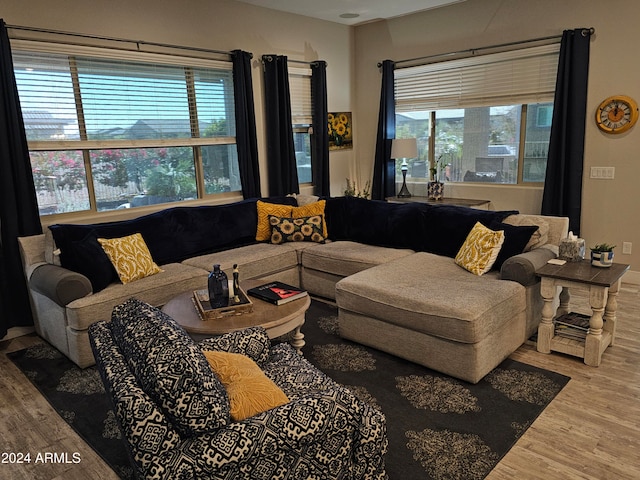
[479,119]
[301,118]
[107,133]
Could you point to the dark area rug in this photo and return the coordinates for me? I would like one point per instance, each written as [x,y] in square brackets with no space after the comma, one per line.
[439,427]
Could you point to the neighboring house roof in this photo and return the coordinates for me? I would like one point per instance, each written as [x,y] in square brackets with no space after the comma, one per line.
[43,120]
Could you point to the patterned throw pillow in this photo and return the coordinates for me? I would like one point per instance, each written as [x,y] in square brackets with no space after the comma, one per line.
[250,391]
[303,229]
[310,209]
[480,250]
[263,232]
[130,257]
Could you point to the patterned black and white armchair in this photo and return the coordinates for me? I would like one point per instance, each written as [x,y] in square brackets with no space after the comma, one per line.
[174,411]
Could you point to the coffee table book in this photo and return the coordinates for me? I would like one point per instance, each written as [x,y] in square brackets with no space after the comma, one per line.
[201,300]
[277,293]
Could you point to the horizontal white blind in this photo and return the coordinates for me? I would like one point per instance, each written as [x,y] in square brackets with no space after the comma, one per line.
[506,78]
[134,101]
[46,95]
[114,99]
[215,102]
[300,90]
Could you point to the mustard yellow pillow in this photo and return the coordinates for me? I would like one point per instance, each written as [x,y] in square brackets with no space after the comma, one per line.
[310,210]
[480,249]
[130,256]
[250,391]
[265,209]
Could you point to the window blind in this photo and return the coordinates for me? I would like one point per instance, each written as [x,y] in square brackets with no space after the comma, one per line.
[506,78]
[300,90]
[97,98]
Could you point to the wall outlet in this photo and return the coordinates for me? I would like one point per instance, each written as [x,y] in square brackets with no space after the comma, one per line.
[626,248]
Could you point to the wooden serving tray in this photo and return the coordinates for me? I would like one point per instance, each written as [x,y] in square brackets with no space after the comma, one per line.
[201,301]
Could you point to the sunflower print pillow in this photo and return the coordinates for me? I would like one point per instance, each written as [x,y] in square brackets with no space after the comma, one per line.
[302,229]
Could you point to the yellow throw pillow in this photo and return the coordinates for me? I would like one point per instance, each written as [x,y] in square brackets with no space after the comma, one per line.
[480,250]
[130,256]
[310,210]
[265,209]
[250,391]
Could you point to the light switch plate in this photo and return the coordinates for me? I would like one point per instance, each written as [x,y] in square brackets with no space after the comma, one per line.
[605,173]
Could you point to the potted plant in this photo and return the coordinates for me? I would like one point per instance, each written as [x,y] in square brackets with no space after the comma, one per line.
[435,188]
[602,255]
[352,189]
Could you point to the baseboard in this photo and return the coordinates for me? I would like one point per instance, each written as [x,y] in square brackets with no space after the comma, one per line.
[632,277]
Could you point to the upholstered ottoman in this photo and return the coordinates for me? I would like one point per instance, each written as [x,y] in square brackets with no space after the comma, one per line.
[426,309]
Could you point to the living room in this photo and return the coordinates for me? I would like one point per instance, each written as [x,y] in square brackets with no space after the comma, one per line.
[352,54]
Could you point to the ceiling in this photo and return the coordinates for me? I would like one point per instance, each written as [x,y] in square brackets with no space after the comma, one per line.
[343,11]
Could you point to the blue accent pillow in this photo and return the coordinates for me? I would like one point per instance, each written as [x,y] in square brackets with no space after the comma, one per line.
[90,259]
[447,226]
[515,239]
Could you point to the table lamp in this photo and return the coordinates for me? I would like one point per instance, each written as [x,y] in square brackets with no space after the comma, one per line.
[404,148]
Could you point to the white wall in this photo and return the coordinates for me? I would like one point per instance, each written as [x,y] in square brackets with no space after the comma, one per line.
[609,206]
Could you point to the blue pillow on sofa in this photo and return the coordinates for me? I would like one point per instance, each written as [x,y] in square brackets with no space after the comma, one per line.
[90,259]
[515,239]
[447,226]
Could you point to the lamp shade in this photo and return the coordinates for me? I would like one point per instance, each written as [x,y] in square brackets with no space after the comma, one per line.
[404,148]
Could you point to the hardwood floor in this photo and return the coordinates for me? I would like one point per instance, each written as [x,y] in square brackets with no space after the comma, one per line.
[591,431]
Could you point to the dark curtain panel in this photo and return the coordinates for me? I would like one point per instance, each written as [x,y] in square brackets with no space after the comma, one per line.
[563,181]
[281,157]
[18,203]
[384,170]
[246,139]
[320,136]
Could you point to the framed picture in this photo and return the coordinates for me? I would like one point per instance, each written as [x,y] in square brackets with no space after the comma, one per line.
[340,131]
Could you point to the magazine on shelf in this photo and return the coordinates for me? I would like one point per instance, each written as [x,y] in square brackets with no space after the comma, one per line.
[277,293]
[569,332]
[572,325]
[574,320]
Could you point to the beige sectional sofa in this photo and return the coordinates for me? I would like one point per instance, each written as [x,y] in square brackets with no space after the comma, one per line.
[395,288]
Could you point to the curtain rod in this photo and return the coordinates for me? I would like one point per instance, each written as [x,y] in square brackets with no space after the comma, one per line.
[138,43]
[269,58]
[473,51]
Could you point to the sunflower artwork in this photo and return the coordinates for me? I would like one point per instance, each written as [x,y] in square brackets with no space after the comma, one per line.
[340,131]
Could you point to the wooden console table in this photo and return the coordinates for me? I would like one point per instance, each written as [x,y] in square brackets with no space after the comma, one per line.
[602,285]
[465,202]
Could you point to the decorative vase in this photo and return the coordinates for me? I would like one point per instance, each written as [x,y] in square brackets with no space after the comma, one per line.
[435,190]
[218,284]
[601,259]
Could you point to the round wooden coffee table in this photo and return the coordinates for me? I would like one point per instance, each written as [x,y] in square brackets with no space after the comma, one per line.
[277,320]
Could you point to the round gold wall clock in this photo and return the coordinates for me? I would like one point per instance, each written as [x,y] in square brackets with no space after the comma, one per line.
[617,114]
